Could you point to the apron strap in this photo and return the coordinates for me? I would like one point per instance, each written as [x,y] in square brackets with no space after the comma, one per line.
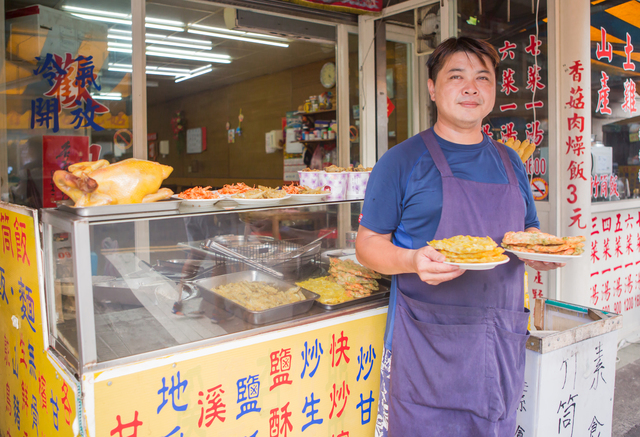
[508,166]
[439,160]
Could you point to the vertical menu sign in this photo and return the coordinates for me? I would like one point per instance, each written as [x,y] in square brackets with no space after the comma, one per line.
[39,399]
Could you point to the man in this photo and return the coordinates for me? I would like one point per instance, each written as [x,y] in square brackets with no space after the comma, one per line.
[458,338]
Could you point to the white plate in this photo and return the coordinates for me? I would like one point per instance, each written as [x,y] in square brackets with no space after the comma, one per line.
[197,203]
[258,202]
[544,256]
[478,266]
[309,197]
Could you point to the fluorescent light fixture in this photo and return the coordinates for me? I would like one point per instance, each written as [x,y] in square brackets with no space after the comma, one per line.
[177,70]
[177,38]
[121,37]
[121,69]
[161,21]
[113,64]
[96,12]
[164,27]
[107,96]
[259,35]
[118,49]
[104,19]
[188,57]
[187,52]
[239,38]
[236,32]
[165,73]
[217,29]
[199,69]
[180,79]
[177,44]
[126,32]
[119,44]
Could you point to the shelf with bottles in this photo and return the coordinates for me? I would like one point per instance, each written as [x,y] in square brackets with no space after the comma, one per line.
[318,112]
[318,140]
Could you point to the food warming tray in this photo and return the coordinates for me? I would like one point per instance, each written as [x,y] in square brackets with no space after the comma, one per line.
[254,317]
[130,208]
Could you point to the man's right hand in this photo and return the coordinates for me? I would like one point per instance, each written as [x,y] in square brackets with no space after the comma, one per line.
[428,264]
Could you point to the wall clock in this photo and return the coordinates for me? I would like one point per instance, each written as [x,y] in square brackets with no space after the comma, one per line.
[328,75]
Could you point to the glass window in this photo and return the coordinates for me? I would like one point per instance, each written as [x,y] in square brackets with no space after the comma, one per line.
[398,91]
[521,110]
[615,121]
[253,101]
[354,101]
[63,102]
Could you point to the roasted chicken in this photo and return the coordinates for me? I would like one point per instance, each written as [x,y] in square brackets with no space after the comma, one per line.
[100,183]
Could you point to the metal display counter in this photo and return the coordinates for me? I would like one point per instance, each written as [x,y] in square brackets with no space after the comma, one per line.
[129,300]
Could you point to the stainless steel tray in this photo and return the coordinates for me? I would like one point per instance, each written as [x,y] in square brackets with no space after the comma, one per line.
[254,317]
[379,294]
[131,208]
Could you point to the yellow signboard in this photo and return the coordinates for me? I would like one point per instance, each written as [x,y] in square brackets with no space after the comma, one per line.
[319,380]
[40,400]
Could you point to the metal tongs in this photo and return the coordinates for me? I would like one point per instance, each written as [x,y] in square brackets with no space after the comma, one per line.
[216,247]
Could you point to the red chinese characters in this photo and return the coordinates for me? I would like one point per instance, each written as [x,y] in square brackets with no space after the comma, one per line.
[508,82]
[575,71]
[486,128]
[507,50]
[534,79]
[508,107]
[594,251]
[604,49]
[576,122]
[594,294]
[534,133]
[628,50]
[215,408]
[576,98]
[338,396]
[629,102]
[508,132]
[21,241]
[340,349]
[576,170]
[575,145]
[280,424]
[533,47]
[603,95]
[280,367]
[135,423]
[576,218]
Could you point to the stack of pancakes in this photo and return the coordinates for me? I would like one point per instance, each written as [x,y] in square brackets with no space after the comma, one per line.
[357,280]
[539,242]
[466,249]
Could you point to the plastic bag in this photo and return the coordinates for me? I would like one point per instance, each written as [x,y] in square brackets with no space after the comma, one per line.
[316,159]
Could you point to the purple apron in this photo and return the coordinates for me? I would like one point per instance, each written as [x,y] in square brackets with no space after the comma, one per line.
[459,347]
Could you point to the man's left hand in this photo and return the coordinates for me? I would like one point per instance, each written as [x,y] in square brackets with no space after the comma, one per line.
[542,266]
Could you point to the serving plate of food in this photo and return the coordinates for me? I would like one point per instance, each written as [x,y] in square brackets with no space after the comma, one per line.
[539,246]
[198,197]
[261,196]
[479,265]
[302,193]
[470,253]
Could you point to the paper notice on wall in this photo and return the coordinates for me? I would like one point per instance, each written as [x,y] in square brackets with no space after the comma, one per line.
[292,144]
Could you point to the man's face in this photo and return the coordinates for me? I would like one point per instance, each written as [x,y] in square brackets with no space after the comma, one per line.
[464,90]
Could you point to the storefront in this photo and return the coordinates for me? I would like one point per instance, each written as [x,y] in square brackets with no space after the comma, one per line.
[252,92]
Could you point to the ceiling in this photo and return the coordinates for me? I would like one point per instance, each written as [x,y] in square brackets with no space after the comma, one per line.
[248,60]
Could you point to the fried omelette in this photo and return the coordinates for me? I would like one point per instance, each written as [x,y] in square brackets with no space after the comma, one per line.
[464,244]
[466,249]
[540,242]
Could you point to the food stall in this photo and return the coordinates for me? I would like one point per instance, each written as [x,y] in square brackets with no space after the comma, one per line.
[135,327]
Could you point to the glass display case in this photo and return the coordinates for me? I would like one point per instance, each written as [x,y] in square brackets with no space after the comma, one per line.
[133,283]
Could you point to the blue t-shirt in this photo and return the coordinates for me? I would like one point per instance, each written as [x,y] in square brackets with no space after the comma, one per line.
[404,192]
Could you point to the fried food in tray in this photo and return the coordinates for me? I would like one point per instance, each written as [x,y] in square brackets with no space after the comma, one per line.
[524,149]
[467,249]
[347,281]
[261,193]
[259,295]
[540,242]
[240,187]
[331,293]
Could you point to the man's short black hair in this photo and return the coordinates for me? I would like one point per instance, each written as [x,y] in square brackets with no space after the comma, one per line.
[464,44]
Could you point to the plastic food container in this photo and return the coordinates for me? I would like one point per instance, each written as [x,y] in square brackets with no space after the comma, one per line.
[337,182]
[310,179]
[357,184]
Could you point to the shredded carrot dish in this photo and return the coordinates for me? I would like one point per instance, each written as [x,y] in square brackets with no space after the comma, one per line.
[238,188]
[291,189]
[199,193]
